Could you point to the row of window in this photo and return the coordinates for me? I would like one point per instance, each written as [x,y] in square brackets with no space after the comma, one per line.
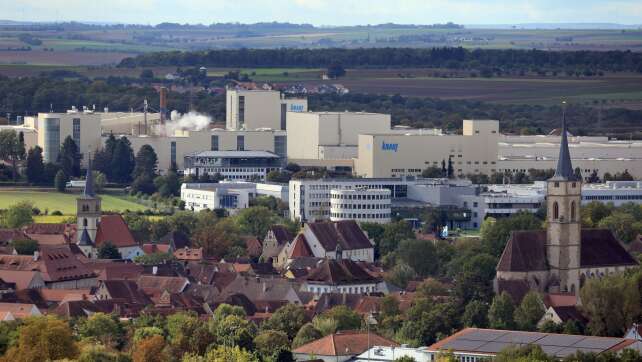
[344,215]
[612,197]
[360,197]
[362,206]
[345,290]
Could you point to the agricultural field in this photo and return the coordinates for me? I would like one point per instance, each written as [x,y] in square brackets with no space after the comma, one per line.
[64,202]
[88,45]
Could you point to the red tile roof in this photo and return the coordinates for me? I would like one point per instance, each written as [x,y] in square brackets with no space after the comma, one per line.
[337,272]
[300,248]
[152,283]
[113,228]
[344,343]
[190,254]
[253,246]
[153,248]
[56,264]
[9,235]
[346,233]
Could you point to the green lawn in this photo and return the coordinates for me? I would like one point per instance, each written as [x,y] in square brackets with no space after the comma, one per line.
[64,202]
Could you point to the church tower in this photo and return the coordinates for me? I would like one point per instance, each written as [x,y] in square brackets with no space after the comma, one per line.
[564,233]
[87,214]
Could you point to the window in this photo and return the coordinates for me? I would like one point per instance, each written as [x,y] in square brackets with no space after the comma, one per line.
[557,184]
[241,111]
[76,132]
[214,143]
[284,110]
[556,210]
[172,153]
[240,143]
[573,209]
[280,146]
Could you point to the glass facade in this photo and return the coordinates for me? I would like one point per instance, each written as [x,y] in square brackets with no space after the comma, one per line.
[214,143]
[76,132]
[281,146]
[52,139]
[241,111]
[173,153]
[240,143]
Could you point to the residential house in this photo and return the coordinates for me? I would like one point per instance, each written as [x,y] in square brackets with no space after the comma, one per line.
[10,311]
[338,240]
[23,279]
[189,254]
[275,239]
[341,276]
[340,346]
[122,290]
[58,266]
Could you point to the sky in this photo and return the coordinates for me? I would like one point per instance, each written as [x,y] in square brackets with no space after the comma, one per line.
[326,12]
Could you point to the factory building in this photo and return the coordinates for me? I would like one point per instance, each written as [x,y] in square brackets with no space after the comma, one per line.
[172,148]
[330,138]
[394,154]
[255,109]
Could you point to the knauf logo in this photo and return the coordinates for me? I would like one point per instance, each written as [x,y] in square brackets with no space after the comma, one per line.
[389,146]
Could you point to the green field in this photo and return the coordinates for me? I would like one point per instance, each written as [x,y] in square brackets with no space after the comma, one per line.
[64,202]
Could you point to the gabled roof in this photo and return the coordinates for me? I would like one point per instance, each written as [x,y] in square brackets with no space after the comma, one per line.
[21,278]
[526,251]
[567,313]
[9,235]
[56,264]
[338,272]
[517,289]
[330,300]
[152,283]
[344,343]
[114,270]
[257,288]
[19,310]
[560,300]
[346,234]
[253,247]
[281,234]
[113,228]
[300,248]
[125,290]
[177,239]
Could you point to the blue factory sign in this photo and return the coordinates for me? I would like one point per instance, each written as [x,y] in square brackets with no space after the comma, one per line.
[389,146]
[296,107]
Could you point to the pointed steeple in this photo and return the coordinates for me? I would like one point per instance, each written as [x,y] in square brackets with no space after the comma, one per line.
[89,180]
[85,239]
[564,171]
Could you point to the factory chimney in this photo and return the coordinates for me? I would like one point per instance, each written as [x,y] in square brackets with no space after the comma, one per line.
[163,104]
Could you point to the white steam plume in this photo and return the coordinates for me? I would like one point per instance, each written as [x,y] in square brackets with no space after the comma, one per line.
[192,121]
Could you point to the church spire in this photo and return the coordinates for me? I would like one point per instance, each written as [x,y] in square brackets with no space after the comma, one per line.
[564,169]
[89,180]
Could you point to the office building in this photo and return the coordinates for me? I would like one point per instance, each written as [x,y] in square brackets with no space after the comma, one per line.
[361,205]
[257,108]
[232,165]
[311,200]
[615,192]
[388,154]
[231,196]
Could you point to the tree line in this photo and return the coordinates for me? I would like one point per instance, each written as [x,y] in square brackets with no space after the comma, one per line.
[42,94]
[443,57]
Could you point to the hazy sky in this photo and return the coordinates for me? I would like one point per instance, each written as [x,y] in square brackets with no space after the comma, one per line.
[326,12]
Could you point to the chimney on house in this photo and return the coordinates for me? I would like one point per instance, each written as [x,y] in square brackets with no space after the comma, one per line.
[36,255]
[155,270]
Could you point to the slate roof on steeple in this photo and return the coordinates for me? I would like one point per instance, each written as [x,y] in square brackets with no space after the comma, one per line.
[85,239]
[564,171]
[89,180]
